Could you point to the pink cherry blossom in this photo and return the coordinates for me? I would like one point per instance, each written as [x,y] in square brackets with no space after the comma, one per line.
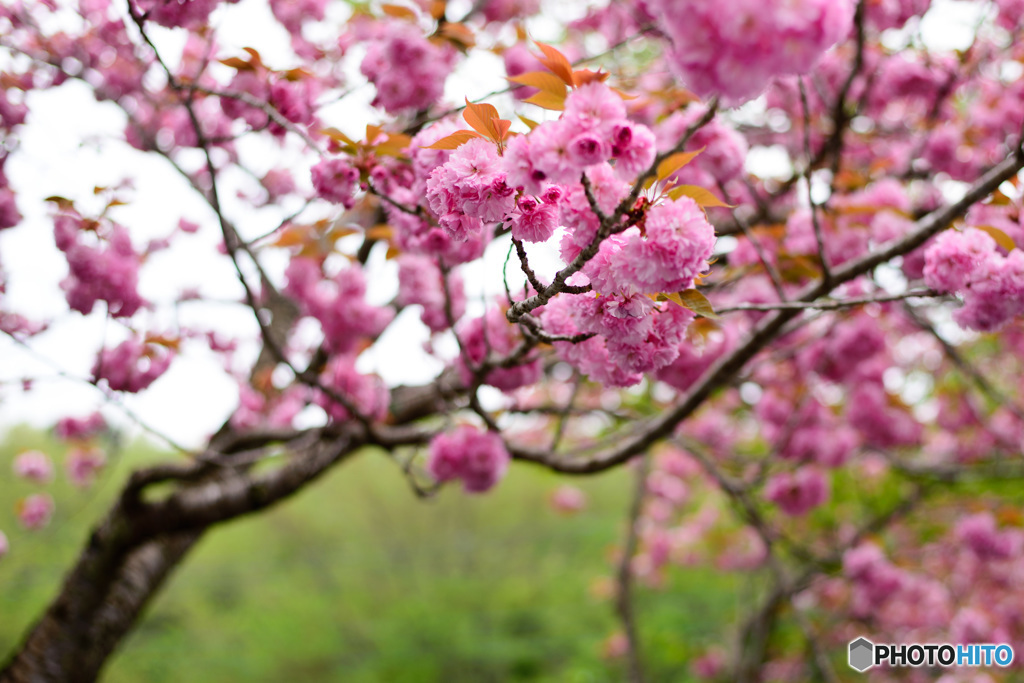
[82,464]
[35,511]
[425,65]
[132,365]
[796,493]
[34,466]
[476,457]
[80,428]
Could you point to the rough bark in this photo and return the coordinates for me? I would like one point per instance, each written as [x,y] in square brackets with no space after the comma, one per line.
[95,611]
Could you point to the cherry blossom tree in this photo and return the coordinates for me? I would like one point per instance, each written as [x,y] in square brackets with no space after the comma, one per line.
[763,253]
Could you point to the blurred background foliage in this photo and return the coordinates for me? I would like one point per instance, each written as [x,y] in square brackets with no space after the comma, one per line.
[358,580]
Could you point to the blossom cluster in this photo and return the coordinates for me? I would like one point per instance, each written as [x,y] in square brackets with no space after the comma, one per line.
[271,409]
[420,281]
[80,428]
[178,13]
[425,65]
[536,187]
[469,190]
[132,365]
[488,335]
[98,273]
[970,263]
[475,185]
[290,95]
[339,304]
[363,394]
[950,589]
[477,457]
[631,335]
[34,466]
[735,48]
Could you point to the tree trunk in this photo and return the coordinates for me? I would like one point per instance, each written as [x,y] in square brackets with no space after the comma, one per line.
[98,605]
[132,552]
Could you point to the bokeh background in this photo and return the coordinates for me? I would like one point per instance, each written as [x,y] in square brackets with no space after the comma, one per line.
[357,580]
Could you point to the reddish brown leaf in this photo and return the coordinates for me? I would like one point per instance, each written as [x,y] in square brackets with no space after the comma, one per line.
[481,118]
[455,140]
[542,80]
[556,62]
[547,100]
[702,196]
[399,12]
[676,162]
[237,63]
[459,35]
[584,76]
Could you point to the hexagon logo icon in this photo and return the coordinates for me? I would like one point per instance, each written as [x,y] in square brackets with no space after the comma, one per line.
[861,654]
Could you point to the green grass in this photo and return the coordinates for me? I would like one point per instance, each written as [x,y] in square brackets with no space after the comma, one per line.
[357,580]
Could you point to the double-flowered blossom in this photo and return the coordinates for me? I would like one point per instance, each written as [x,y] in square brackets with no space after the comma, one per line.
[632,334]
[578,216]
[536,219]
[809,433]
[884,14]
[271,409]
[970,263]
[366,394]
[339,303]
[425,65]
[797,493]
[132,365]
[593,130]
[879,419]
[873,576]
[980,533]
[291,96]
[336,180]
[34,466]
[80,428]
[293,13]
[493,336]
[723,154]
[107,273]
[505,10]
[673,250]
[177,13]
[82,464]
[35,511]
[470,189]
[477,457]
[735,48]
[420,282]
